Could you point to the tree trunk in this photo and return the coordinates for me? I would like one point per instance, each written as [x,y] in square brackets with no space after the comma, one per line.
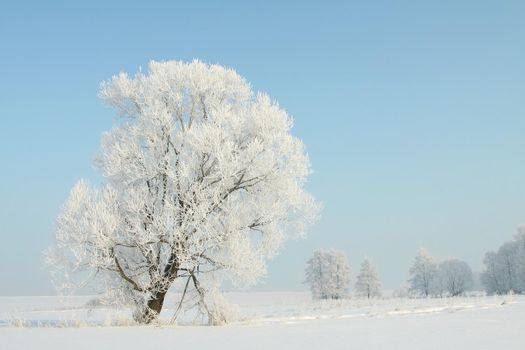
[150,312]
[156,303]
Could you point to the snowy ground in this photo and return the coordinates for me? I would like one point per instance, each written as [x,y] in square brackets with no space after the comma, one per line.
[274,321]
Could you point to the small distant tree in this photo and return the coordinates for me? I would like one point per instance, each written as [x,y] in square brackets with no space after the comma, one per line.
[491,279]
[456,276]
[520,259]
[328,274]
[423,274]
[367,284]
[505,269]
[508,265]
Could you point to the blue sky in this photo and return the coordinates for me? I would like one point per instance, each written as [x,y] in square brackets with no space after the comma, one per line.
[412,113]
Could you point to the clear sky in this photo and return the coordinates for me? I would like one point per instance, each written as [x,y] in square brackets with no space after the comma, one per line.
[413,113]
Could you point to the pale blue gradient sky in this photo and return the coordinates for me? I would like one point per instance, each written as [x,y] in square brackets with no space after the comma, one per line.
[412,113]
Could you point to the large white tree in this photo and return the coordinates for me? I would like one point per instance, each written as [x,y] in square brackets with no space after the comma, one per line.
[423,274]
[202,177]
[456,276]
[328,274]
[367,284]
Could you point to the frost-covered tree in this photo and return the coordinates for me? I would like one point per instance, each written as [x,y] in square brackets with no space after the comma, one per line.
[367,284]
[520,260]
[423,274]
[507,261]
[505,269]
[492,279]
[202,181]
[328,274]
[456,276]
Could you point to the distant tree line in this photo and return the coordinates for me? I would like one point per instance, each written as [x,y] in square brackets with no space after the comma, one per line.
[328,274]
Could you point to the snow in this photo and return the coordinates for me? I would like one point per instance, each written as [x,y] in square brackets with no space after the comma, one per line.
[274,320]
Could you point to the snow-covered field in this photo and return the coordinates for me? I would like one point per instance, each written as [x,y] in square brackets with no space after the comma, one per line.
[273,321]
